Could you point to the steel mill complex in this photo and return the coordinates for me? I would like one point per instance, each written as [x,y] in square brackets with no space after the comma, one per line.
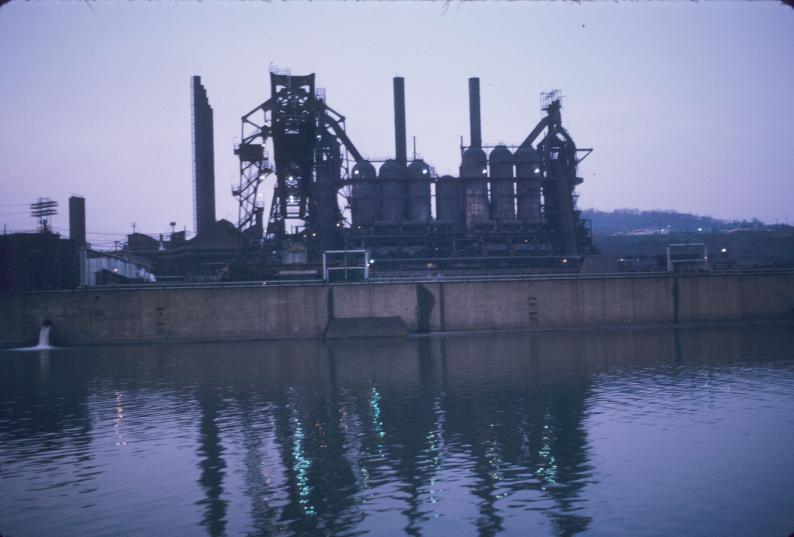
[511,209]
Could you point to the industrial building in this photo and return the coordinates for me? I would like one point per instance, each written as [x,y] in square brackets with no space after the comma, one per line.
[45,261]
[338,215]
[511,209]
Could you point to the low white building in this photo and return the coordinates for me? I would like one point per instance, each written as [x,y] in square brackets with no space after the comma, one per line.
[102,268]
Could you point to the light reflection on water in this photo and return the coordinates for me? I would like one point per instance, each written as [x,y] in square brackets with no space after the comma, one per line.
[630,432]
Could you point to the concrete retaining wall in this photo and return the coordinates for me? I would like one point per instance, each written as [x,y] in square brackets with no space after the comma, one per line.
[214,313]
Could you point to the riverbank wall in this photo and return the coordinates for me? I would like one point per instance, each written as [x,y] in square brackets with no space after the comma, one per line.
[216,313]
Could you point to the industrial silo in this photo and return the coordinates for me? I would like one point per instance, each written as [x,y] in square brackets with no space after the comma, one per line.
[501,168]
[448,201]
[474,175]
[392,191]
[528,176]
[418,209]
[364,203]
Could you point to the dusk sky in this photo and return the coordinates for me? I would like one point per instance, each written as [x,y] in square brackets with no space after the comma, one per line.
[688,106]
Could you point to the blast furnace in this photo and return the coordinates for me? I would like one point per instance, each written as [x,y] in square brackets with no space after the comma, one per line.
[511,209]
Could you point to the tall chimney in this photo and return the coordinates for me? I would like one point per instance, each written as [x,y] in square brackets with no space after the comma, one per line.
[77,220]
[401,153]
[474,112]
[203,159]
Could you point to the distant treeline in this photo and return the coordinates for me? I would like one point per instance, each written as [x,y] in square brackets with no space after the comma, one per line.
[634,220]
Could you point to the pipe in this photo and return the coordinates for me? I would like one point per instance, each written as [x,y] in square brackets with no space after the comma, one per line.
[474,112]
[401,152]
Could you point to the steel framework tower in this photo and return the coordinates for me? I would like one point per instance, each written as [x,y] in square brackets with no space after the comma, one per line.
[558,166]
[308,140]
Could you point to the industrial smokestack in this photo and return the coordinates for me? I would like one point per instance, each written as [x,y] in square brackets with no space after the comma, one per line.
[401,152]
[474,112]
[203,159]
[77,220]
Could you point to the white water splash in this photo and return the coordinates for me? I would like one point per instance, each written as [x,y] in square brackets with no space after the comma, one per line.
[44,340]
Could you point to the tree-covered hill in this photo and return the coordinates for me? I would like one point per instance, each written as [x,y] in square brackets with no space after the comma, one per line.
[626,221]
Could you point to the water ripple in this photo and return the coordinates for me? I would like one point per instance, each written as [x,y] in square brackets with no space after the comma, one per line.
[554,434]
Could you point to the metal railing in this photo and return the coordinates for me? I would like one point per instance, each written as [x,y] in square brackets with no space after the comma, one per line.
[375,280]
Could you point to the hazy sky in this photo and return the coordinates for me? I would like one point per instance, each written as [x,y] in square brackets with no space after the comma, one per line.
[688,105]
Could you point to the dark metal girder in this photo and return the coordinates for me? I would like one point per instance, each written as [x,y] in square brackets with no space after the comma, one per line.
[345,140]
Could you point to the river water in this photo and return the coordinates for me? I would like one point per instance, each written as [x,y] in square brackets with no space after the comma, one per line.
[615,432]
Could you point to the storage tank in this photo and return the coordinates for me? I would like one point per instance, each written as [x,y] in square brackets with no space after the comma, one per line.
[501,171]
[392,191]
[418,209]
[474,174]
[364,205]
[528,176]
[448,201]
